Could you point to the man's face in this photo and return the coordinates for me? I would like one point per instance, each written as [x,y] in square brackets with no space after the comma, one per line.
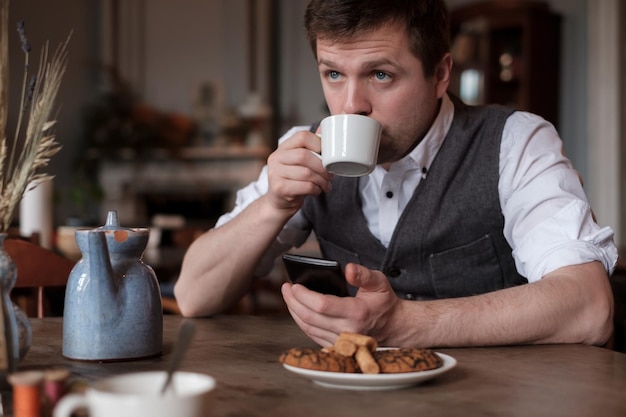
[377,75]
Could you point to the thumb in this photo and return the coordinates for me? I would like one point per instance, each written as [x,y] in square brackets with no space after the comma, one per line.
[366,279]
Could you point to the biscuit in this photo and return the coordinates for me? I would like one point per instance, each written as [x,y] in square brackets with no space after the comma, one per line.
[365,360]
[407,360]
[358,339]
[318,360]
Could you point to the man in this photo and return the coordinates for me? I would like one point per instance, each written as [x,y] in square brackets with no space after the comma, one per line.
[472,230]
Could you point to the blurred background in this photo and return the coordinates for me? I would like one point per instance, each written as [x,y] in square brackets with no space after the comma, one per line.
[168,107]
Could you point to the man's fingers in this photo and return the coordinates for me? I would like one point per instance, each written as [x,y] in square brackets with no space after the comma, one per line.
[366,279]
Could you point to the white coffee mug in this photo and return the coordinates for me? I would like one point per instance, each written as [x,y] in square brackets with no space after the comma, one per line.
[350,144]
[139,394]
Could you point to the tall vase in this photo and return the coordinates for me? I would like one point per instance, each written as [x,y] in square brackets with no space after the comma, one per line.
[8,275]
[17,329]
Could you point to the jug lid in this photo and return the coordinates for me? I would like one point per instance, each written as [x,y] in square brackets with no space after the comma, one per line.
[113,223]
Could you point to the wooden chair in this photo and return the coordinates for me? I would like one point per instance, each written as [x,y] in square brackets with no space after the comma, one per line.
[37,268]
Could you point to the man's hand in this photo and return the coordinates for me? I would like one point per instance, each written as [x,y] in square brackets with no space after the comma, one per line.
[322,317]
[219,266]
[294,172]
[572,304]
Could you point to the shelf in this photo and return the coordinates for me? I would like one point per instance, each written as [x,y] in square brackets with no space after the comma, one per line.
[188,153]
[507,52]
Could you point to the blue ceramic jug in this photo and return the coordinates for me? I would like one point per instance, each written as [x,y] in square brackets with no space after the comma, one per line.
[113,305]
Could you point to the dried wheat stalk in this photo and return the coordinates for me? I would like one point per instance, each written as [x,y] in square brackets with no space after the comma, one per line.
[23,158]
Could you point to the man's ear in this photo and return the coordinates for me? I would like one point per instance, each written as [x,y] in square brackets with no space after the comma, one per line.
[442,75]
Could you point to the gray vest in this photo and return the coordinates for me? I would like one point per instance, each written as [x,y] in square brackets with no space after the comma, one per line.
[448,242]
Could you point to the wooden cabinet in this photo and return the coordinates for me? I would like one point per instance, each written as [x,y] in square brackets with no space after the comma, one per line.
[507,52]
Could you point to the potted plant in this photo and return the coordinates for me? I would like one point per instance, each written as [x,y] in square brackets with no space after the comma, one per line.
[24,153]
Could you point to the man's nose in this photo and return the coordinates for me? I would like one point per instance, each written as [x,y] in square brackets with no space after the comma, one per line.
[356,100]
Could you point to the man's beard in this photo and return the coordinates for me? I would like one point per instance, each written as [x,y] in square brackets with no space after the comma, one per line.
[393,149]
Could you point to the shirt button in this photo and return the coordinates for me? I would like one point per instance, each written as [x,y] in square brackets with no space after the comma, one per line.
[393,272]
[389,194]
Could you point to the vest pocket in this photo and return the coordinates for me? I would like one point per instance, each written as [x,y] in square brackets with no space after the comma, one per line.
[466,270]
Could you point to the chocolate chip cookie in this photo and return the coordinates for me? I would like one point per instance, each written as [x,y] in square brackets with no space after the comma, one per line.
[318,360]
[407,360]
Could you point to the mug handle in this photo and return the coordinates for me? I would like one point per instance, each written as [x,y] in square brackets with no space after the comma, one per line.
[316,154]
[319,135]
[68,404]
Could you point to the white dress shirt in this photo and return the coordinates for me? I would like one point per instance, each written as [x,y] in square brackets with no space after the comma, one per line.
[548,220]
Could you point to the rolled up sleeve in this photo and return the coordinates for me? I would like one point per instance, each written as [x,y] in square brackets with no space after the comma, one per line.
[294,233]
[562,241]
[548,220]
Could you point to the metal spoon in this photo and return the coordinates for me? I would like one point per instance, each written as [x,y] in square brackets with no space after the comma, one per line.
[185,334]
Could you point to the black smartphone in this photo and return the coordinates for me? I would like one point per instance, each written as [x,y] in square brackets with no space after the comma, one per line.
[321,275]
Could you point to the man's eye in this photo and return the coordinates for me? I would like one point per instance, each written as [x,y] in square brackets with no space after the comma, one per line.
[333,75]
[381,76]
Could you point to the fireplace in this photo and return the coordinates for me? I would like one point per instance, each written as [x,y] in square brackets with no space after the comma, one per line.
[198,184]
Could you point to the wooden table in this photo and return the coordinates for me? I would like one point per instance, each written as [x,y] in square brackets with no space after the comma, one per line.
[241,353]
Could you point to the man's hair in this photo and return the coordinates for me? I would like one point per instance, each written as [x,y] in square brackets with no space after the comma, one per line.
[426,22]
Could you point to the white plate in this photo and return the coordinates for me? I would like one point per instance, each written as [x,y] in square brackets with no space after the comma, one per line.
[371,382]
